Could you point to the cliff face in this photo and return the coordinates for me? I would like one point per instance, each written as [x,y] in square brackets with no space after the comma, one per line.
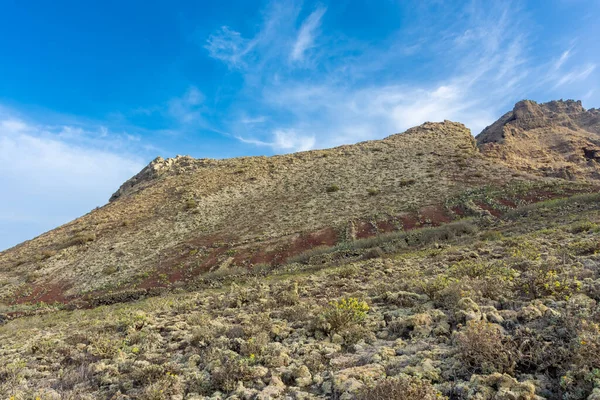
[558,139]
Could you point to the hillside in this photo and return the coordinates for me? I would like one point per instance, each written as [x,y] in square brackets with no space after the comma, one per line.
[425,265]
[182,217]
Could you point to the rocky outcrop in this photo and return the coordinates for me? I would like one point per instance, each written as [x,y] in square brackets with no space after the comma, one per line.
[557,139]
[157,168]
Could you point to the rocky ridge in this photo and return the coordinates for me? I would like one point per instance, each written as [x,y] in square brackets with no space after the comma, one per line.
[558,138]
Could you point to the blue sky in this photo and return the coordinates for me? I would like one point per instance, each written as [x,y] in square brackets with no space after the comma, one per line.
[91,91]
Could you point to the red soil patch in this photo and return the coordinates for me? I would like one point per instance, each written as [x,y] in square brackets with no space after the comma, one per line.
[365,229]
[323,237]
[386,226]
[435,215]
[409,222]
[458,211]
[488,208]
[48,293]
[507,203]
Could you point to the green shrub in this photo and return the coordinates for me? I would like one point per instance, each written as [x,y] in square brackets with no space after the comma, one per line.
[491,236]
[343,313]
[373,191]
[584,226]
[190,204]
[545,278]
[584,247]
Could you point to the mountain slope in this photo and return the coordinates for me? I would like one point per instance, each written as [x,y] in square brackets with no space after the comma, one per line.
[181,218]
[420,267]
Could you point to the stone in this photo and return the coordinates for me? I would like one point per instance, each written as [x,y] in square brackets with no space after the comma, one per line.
[302,376]
[352,379]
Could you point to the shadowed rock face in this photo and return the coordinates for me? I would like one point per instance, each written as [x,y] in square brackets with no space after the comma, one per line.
[558,139]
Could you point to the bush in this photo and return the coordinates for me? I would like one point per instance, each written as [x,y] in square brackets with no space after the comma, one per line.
[491,236]
[545,278]
[407,182]
[402,387]
[483,348]
[231,368]
[584,226]
[332,188]
[80,238]
[344,313]
[190,204]
[373,192]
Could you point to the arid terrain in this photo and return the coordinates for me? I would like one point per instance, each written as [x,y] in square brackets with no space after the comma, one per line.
[430,264]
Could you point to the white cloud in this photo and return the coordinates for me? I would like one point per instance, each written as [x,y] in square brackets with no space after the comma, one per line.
[229,46]
[48,180]
[284,141]
[292,140]
[563,58]
[306,34]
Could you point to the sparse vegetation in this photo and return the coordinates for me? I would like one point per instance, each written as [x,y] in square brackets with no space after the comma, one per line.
[425,287]
[403,387]
[332,188]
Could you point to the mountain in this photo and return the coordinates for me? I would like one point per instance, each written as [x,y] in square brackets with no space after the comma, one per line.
[181,217]
[559,138]
[429,263]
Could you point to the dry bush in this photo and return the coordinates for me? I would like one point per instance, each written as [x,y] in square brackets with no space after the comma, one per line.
[483,348]
[230,369]
[403,387]
[332,188]
[166,387]
[79,239]
[587,346]
[287,295]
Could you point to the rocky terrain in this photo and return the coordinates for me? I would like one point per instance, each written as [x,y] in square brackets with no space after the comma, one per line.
[559,138]
[423,266]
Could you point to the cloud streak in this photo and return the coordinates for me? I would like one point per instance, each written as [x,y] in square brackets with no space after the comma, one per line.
[306,34]
[475,64]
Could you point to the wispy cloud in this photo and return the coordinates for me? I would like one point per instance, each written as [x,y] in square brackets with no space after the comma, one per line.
[306,34]
[576,75]
[563,58]
[187,109]
[472,64]
[229,46]
[285,140]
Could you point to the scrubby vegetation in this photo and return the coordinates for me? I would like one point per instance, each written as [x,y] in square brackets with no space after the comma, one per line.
[500,309]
